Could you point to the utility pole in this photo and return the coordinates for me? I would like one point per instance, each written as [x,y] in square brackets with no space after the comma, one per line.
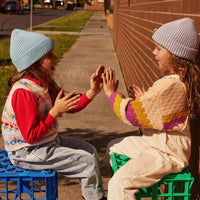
[54,4]
[31,15]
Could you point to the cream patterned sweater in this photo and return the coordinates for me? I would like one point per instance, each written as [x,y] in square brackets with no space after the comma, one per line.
[161,113]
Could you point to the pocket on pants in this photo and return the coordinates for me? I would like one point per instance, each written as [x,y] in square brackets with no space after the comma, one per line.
[30,154]
[36,155]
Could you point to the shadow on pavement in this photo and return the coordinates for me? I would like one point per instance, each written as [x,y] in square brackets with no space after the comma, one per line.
[99,139]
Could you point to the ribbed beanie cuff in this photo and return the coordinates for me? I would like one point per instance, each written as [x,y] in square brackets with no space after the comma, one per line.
[28,47]
[179,37]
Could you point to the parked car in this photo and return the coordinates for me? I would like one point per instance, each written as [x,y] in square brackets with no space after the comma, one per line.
[12,6]
[70,5]
[26,7]
[59,2]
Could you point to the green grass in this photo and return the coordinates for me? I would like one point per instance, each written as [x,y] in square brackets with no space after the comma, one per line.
[62,42]
[5,73]
[4,52]
[68,28]
[73,22]
[78,18]
[6,69]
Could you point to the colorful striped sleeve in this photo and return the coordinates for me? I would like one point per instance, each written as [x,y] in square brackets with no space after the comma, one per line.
[162,107]
[129,111]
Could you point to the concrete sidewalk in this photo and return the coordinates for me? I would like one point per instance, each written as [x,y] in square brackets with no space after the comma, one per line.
[93,47]
[96,124]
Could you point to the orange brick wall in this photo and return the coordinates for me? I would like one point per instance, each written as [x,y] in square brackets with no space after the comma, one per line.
[134,22]
[94,6]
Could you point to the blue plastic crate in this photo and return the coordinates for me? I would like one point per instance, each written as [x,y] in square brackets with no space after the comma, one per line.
[172,187]
[17,183]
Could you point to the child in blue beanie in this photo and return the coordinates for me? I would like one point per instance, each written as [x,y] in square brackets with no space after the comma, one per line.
[34,101]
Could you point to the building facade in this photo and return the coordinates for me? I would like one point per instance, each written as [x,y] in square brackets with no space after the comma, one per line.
[94,5]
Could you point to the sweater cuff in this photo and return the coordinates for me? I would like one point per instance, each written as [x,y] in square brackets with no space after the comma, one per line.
[113,98]
[85,99]
[50,121]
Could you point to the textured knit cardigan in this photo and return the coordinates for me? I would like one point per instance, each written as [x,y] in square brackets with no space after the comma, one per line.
[161,113]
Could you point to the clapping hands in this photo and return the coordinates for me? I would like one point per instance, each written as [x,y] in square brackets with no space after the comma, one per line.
[96,83]
[110,85]
[135,91]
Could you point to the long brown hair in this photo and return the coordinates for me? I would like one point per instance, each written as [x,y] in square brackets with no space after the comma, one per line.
[39,73]
[189,73]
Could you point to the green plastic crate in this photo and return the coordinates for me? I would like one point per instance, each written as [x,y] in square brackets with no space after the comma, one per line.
[171,187]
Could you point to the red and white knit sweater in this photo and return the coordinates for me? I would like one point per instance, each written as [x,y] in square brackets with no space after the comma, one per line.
[26,120]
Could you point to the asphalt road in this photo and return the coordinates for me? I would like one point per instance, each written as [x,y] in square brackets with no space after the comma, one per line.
[9,22]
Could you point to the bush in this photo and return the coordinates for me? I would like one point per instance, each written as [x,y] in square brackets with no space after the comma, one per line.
[110,8]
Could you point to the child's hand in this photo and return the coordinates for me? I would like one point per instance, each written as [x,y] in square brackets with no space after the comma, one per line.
[96,83]
[135,91]
[64,104]
[109,83]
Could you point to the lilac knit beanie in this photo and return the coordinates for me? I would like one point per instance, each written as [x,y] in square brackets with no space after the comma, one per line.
[179,37]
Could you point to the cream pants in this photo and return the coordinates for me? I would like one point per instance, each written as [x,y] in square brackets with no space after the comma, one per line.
[147,166]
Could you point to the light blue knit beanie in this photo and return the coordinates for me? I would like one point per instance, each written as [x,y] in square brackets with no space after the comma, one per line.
[28,47]
[179,37]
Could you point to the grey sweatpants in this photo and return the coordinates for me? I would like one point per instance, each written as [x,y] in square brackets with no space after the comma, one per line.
[68,155]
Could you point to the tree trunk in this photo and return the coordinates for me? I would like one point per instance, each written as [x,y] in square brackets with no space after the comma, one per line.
[54,4]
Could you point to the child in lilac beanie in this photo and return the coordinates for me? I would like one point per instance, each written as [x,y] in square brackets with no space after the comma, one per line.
[162,113]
